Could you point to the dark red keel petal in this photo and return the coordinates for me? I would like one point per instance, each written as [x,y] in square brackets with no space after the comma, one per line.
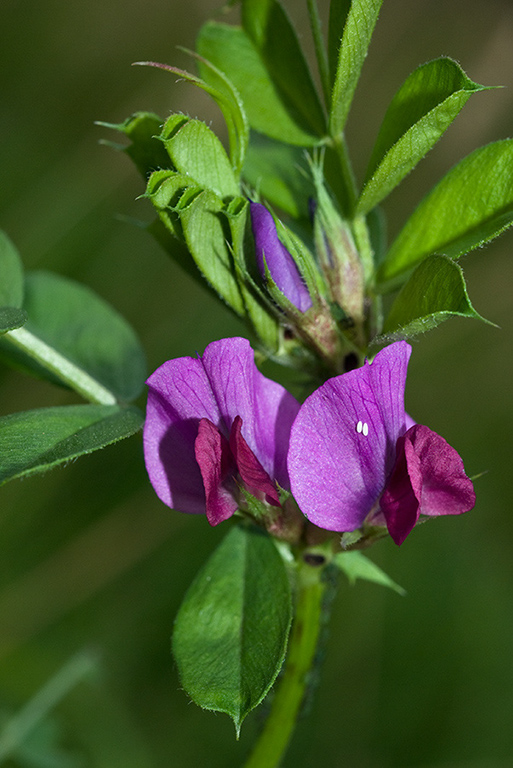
[400,502]
[215,462]
[428,479]
[251,471]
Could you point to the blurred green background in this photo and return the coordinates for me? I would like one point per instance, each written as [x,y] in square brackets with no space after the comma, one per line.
[90,559]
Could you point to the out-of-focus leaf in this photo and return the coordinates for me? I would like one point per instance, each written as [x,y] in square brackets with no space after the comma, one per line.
[197,152]
[146,151]
[11,274]
[83,329]
[271,32]
[337,20]
[435,291]
[11,317]
[358,29]
[420,112]
[472,204]
[204,227]
[356,566]
[278,173]
[34,441]
[231,631]
[230,49]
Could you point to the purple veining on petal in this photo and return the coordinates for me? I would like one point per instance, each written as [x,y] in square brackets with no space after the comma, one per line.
[342,444]
[280,263]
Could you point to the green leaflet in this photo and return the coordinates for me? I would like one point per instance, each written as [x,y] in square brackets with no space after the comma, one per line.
[73,332]
[11,317]
[145,150]
[35,441]
[355,39]
[420,112]
[231,631]
[356,566]
[435,291]
[472,204]
[230,50]
[196,152]
[11,274]
[270,30]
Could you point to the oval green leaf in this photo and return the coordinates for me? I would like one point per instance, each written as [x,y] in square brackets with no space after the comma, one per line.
[70,324]
[420,112]
[435,291]
[230,50]
[471,205]
[231,631]
[359,23]
[35,441]
[11,274]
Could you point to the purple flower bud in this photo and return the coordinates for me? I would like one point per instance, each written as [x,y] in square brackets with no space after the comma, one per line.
[279,262]
[355,456]
[215,423]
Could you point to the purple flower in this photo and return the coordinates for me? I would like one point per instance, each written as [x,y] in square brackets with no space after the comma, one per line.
[213,424]
[356,456]
[279,262]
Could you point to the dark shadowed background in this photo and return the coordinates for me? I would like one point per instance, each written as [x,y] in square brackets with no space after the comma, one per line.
[90,559]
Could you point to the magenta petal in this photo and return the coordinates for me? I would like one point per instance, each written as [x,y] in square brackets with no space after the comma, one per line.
[280,263]
[400,503]
[342,444]
[179,395]
[265,407]
[251,471]
[214,460]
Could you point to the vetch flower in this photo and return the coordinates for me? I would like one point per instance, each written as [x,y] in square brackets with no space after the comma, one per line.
[279,262]
[214,424]
[356,457]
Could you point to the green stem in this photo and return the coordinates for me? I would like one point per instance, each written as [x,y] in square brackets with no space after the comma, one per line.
[348,177]
[60,366]
[289,695]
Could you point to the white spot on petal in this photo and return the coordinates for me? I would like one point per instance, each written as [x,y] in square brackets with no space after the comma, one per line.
[359,427]
[365,429]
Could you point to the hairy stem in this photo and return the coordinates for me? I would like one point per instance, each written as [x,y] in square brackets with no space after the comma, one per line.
[289,695]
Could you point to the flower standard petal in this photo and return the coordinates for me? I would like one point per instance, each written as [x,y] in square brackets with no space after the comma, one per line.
[279,262]
[267,410]
[342,444]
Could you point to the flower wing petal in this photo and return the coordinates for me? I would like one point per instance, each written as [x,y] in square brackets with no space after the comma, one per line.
[216,465]
[179,396]
[342,444]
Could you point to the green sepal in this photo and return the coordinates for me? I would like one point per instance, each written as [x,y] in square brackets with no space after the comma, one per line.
[231,50]
[359,22]
[81,328]
[11,274]
[195,151]
[231,631]
[271,32]
[420,112]
[471,205]
[35,441]
[435,292]
[356,565]
[145,150]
